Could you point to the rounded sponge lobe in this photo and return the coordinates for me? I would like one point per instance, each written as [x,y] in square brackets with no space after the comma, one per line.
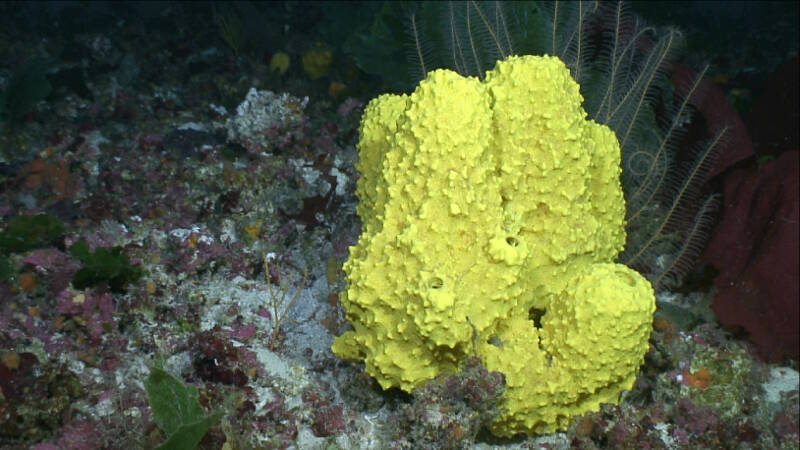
[588,350]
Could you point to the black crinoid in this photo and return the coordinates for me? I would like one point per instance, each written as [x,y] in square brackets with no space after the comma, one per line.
[623,67]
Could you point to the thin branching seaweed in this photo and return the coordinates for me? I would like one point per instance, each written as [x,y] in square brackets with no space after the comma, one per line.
[279,302]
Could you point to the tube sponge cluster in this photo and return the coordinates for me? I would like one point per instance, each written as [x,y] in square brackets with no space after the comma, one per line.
[483,202]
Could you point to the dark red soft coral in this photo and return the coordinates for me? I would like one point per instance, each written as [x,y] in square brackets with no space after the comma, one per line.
[755,248]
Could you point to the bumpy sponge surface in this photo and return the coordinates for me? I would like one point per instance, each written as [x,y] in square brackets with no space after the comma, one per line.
[483,203]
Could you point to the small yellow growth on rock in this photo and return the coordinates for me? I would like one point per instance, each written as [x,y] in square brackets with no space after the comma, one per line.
[151,287]
[336,88]
[481,203]
[279,63]
[11,360]
[253,230]
[317,62]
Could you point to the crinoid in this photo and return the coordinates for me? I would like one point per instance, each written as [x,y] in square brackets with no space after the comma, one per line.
[623,68]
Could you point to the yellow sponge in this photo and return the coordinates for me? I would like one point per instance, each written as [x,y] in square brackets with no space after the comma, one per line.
[482,202]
